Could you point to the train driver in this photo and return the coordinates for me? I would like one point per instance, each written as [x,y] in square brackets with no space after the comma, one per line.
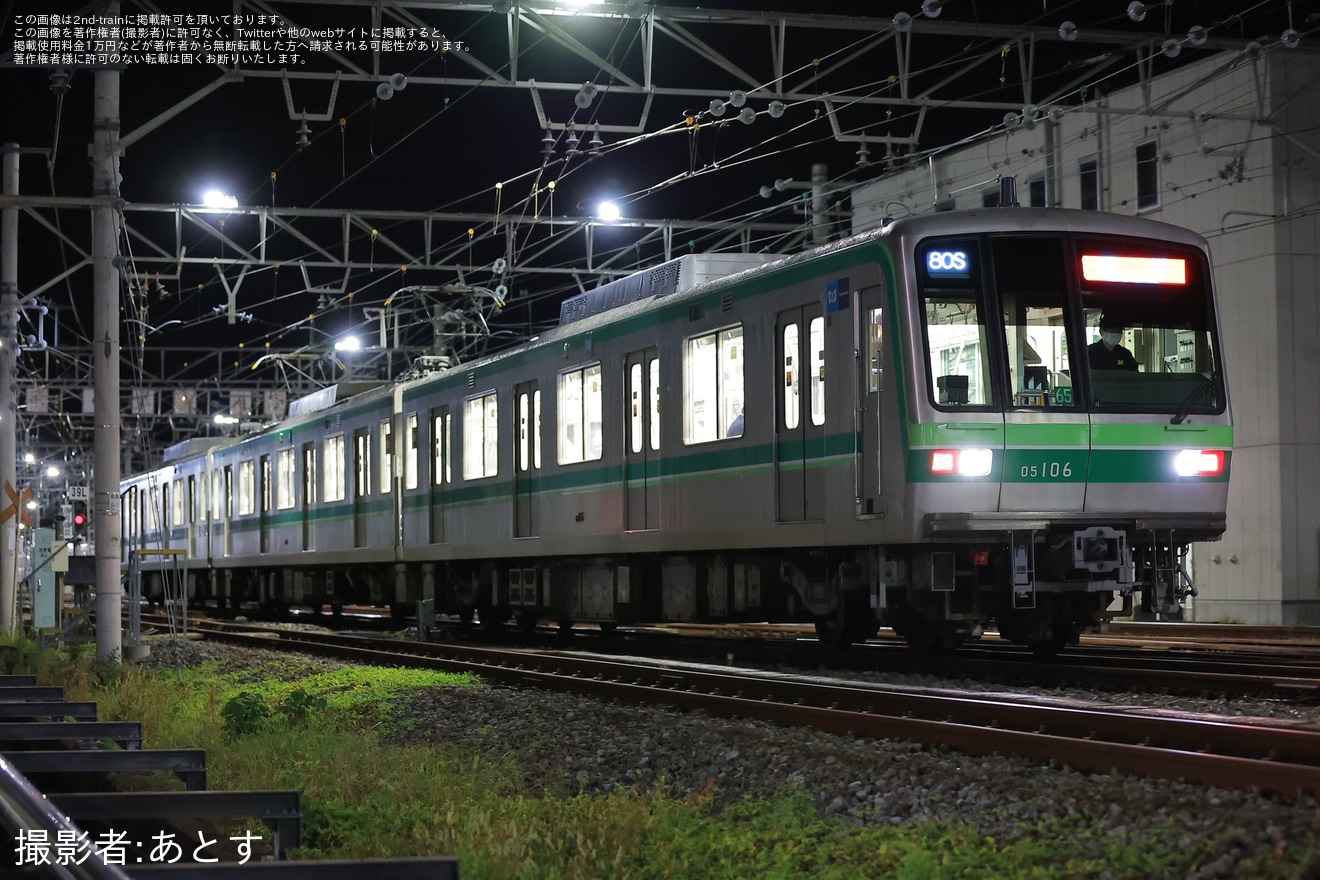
[1108,353]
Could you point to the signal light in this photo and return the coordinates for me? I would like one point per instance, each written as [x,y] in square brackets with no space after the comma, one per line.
[80,518]
[962,462]
[1199,463]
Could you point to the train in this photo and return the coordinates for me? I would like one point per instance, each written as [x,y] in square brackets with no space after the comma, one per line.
[921,426]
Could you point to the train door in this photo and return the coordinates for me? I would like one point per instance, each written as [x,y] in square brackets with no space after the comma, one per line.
[800,412]
[442,426]
[361,484]
[1046,433]
[308,493]
[642,444]
[527,463]
[229,510]
[869,344]
[263,500]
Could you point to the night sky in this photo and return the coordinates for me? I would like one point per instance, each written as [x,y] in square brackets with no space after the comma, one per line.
[443,148]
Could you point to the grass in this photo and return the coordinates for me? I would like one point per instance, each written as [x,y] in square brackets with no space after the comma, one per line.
[363,797]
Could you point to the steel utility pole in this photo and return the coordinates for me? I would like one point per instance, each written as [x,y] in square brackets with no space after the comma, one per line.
[8,405]
[105,356]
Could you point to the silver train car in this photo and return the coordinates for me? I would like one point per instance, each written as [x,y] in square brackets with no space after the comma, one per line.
[1014,417]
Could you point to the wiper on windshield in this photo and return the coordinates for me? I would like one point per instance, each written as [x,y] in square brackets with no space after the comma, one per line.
[1185,408]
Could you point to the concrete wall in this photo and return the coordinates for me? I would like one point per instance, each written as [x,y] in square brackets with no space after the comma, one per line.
[1253,189]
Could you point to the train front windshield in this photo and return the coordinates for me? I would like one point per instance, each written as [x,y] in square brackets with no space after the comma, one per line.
[1149,324]
[1097,323]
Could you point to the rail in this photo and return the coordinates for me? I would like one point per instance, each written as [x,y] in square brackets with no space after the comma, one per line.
[23,808]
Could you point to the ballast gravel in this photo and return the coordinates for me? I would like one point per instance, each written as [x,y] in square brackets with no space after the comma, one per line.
[564,744]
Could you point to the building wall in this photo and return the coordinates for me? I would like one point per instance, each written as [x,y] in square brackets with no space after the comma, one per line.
[1253,190]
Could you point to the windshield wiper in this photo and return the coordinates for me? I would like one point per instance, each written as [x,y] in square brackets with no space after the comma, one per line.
[1185,408]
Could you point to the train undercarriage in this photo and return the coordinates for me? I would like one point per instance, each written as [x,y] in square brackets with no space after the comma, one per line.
[1040,589]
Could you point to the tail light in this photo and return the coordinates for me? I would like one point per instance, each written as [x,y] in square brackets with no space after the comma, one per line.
[963,462]
[1199,463]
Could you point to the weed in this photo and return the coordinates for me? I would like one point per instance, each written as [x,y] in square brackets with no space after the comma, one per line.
[299,706]
[244,714]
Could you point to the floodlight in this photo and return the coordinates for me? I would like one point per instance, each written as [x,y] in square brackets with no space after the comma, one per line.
[348,343]
[213,198]
[53,471]
[608,211]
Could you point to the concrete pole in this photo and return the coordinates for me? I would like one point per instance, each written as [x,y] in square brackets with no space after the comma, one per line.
[820,203]
[105,358]
[8,405]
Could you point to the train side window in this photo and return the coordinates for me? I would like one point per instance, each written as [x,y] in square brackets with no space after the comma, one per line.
[217,497]
[654,369]
[524,441]
[581,410]
[179,502]
[713,385]
[442,424]
[362,462]
[333,468]
[635,405]
[285,474]
[247,487]
[410,451]
[536,427]
[265,484]
[481,424]
[386,456]
[791,378]
[816,349]
[875,349]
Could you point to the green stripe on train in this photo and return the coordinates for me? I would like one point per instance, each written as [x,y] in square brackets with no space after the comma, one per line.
[1184,436]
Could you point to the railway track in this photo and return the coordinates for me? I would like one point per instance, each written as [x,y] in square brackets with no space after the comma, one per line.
[1096,667]
[1208,662]
[1227,755]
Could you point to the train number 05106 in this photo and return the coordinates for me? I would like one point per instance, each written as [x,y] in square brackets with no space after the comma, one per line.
[1049,469]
